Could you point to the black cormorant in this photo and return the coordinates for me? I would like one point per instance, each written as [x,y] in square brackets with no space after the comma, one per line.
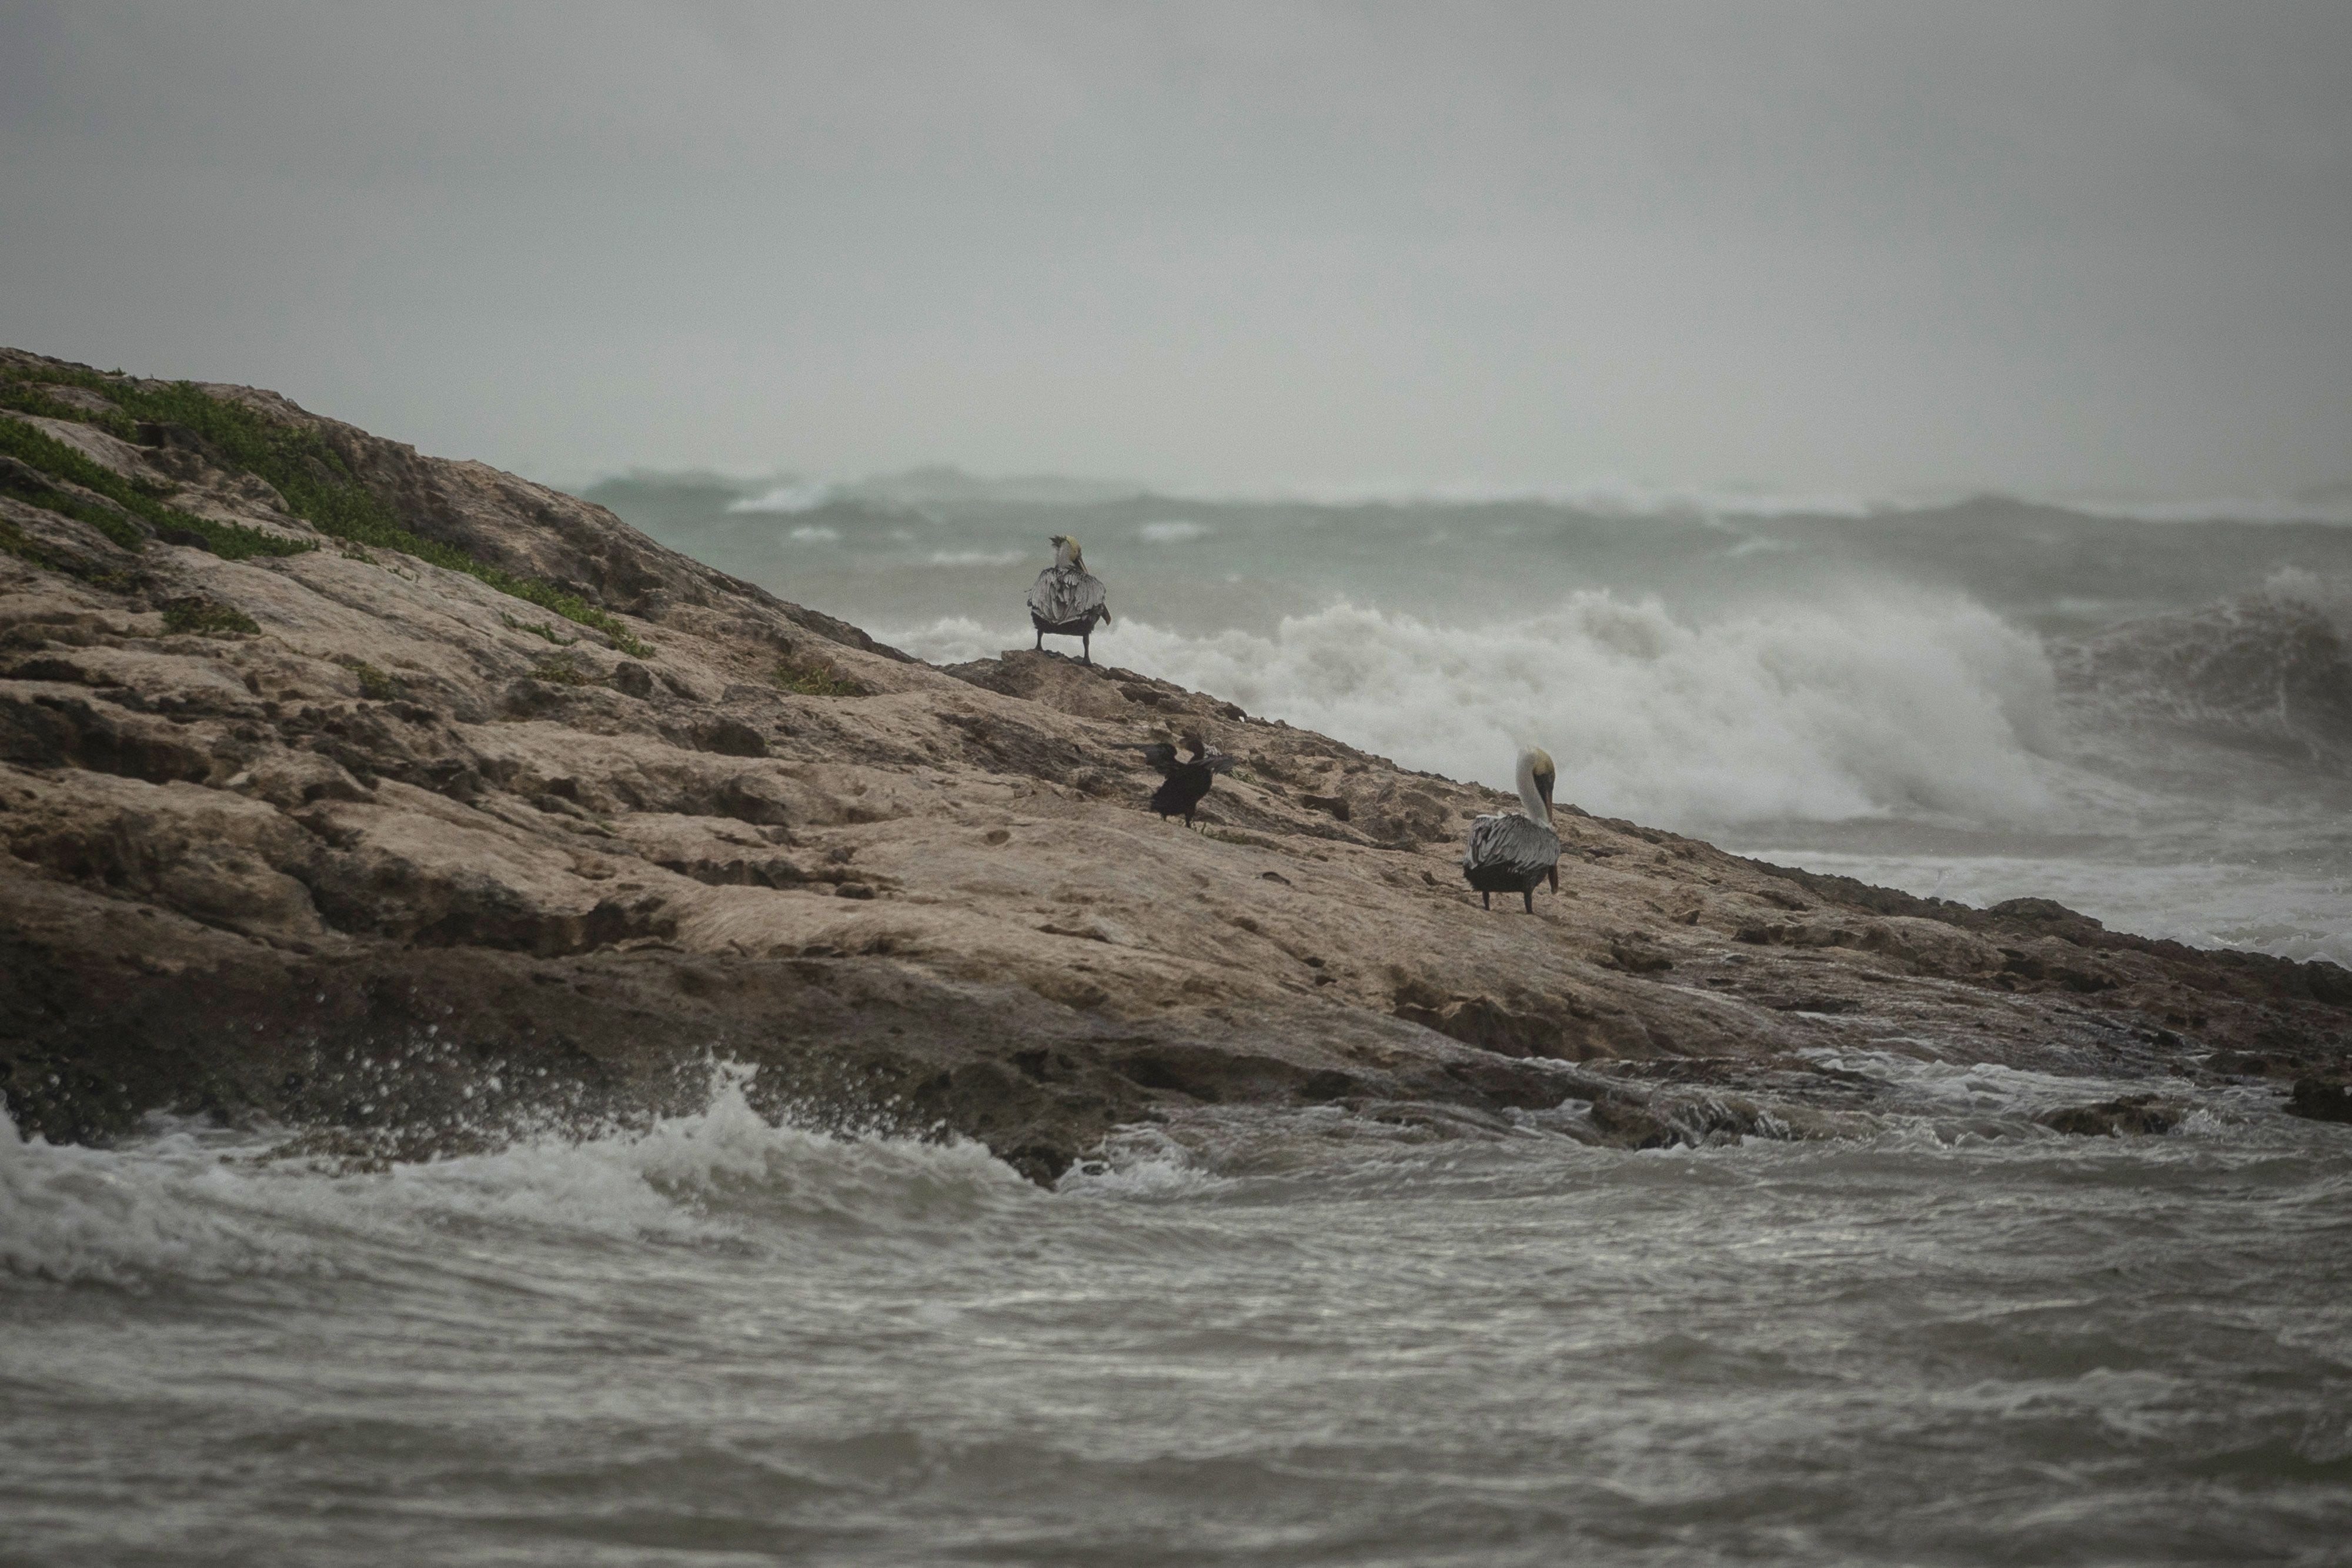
[1184,780]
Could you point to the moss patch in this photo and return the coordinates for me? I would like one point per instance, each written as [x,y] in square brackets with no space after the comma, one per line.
[114,523]
[558,673]
[815,678]
[317,485]
[538,628]
[13,542]
[230,542]
[374,685]
[27,397]
[203,618]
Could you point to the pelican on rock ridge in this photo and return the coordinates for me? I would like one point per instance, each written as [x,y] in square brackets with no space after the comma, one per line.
[1067,600]
[1513,851]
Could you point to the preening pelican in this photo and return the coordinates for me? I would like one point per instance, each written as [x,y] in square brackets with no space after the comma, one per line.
[1066,599]
[1513,851]
[1184,780]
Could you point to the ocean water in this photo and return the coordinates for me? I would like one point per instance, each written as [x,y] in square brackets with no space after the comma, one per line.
[1952,1336]
[2150,717]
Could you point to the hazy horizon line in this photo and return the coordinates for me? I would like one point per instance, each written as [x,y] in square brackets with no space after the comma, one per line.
[787,492]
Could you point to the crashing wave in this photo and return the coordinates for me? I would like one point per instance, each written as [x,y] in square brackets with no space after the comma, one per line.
[194,1203]
[2268,670]
[1896,704]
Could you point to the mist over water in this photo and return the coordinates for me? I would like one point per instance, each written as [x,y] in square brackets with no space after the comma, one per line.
[2144,715]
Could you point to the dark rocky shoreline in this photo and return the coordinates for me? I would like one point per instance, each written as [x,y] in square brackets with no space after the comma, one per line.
[409,803]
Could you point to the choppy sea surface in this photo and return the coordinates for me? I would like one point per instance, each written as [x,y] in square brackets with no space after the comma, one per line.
[1256,1339]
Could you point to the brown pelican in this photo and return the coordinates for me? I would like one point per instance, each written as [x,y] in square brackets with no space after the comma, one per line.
[1066,599]
[1185,780]
[1513,851]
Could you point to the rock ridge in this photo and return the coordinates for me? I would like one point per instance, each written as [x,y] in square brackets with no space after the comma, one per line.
[525,816]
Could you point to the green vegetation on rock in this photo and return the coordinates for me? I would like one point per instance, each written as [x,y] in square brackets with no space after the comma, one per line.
[317,485]
[231,541]
[203,618]
[111,521]
[27,397]
[558,673]
[13,542]
[375,685]
[814,678]
[538,628]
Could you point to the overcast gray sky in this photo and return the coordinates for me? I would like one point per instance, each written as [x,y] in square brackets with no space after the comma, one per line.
[1816,247]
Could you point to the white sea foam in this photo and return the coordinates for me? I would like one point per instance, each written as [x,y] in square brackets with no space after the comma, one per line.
[1140,1164]
[1890,706]
[2330,595]
[186,1204]
[70,1213]
[1986,1087]
[1600,497]
[2204,899]
[1616,497]
[2333,504]
[796,496]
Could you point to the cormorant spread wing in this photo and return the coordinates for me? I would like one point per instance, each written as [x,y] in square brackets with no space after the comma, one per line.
[1185,780]
[1161,757]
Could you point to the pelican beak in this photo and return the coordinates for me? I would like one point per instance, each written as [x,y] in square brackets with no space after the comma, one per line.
[1543,787]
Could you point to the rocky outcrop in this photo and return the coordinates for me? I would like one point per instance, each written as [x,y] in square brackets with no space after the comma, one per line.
[2319,1100]
[2127,1115]
[521,815]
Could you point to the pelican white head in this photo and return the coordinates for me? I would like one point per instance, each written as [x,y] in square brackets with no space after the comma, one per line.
[1068,553]
[1536,775]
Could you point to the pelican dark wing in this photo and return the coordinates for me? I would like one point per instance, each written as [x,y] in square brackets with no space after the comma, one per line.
[1509,854]
[1065,598]
[1513,851]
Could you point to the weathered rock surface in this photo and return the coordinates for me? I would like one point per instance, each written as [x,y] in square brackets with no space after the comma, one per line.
[416,859]
[2319,1100]
[2127,1115]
